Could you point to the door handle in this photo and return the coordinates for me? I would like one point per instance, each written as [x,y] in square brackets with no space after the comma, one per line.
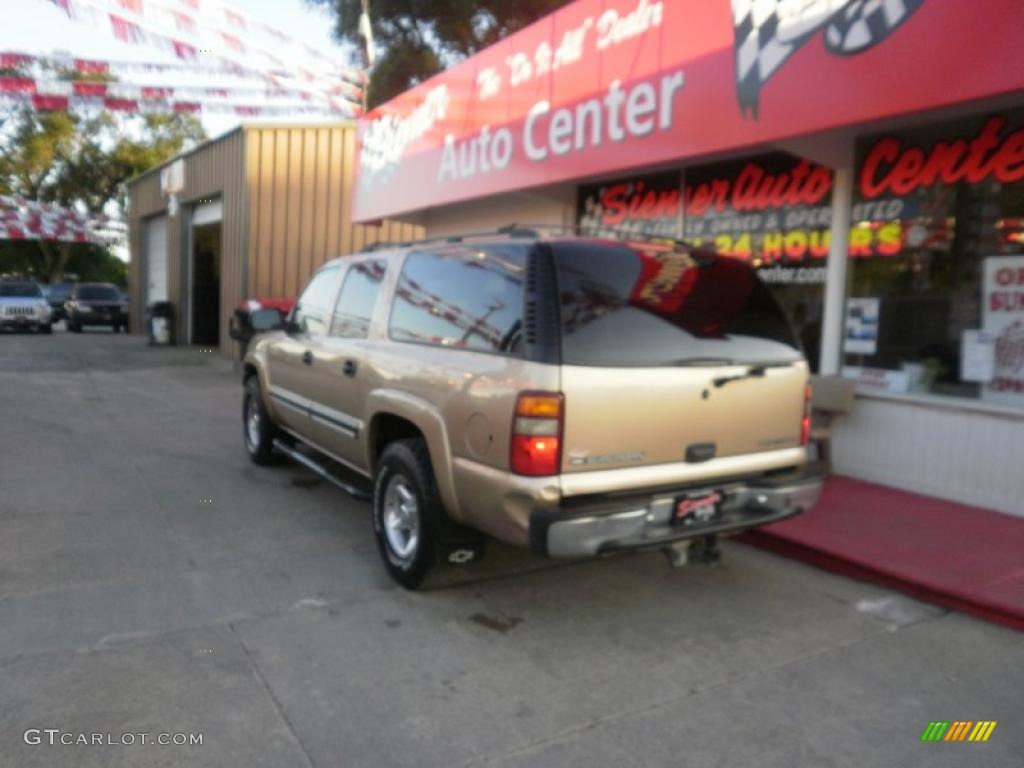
[307,358]
[349,368]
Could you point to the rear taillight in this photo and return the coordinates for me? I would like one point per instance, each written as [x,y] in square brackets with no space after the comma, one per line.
[537,434]
[805,422]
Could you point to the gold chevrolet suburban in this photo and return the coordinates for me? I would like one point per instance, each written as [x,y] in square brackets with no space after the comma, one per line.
[578,396]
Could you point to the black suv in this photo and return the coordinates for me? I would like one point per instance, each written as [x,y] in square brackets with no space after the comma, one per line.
[96,304]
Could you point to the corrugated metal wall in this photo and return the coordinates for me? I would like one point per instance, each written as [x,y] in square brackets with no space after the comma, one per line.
[300,182]
[144,200]
[286,193]
[213,171]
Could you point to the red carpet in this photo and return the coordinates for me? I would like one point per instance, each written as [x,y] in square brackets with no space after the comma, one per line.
[968,559]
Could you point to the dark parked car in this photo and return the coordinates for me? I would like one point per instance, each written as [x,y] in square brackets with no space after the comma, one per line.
[57,295]
[96,304]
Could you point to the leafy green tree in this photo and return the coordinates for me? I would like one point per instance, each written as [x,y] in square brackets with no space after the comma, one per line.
[82,161]
[87,262]
[418,38]
[91,263]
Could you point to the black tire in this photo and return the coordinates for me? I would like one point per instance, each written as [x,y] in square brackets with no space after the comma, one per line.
[407,463]
[258,437]
[74,327]
[115,328]
[48,328]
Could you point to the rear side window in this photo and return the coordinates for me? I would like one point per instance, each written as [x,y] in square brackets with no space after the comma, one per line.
[312,312]
[357,299]
[625,306]
[468,297]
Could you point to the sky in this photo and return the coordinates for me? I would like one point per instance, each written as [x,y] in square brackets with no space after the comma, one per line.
[40,27]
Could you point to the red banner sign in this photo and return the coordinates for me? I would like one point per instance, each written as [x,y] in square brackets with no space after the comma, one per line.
[606,86]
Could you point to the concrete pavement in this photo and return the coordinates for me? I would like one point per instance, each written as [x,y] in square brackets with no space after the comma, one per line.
[263,620]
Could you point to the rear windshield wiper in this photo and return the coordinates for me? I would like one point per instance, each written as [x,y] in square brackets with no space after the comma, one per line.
[755,371]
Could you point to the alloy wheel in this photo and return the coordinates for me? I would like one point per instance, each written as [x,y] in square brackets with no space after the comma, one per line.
[401,517]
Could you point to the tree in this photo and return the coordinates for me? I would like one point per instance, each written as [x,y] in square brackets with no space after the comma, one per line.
[82,161]
[86,262]
[419,38]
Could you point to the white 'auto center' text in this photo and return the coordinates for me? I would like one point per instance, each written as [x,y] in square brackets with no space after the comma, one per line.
[621,114]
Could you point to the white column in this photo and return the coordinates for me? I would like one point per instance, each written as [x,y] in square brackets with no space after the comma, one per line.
[835,280]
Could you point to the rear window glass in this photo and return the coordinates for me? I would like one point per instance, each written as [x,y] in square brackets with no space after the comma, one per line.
[313,309]
[20,290]
[354,310]
[623,306]
[468,297]
[98,293]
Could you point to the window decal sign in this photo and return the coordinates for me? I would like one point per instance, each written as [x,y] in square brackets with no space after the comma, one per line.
[861,326]
[775,211]
[1003,315]
[602,87]
[994,153]
[643,206]
[771,210]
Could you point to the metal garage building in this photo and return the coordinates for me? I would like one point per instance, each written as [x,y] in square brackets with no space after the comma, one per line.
[251,213]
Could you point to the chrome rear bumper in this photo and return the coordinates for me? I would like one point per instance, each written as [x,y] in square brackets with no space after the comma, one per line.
[645,521]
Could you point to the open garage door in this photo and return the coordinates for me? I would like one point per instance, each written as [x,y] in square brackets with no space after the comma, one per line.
[204,290]
[156,260]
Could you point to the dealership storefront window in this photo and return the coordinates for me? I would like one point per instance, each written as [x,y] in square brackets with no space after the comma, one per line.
[936,273]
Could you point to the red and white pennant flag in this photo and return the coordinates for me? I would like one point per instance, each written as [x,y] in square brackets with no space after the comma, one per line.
[22,219]
[273,95]
[221,33]
[36,67]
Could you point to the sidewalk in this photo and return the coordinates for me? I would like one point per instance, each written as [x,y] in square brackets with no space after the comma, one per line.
[964,558]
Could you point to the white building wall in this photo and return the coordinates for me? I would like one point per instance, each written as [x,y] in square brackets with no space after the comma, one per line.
[934,447]
[552,207]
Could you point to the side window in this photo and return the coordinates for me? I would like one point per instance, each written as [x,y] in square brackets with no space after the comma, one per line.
[312,312]
[358,297]
[469,297]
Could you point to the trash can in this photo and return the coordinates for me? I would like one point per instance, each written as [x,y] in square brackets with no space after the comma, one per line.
[161,323]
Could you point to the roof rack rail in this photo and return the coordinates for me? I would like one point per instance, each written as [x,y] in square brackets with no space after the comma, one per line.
[611,233]
[510,230]
[531,231]
[379,244]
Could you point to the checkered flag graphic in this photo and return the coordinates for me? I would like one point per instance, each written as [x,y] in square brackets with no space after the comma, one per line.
[768,32]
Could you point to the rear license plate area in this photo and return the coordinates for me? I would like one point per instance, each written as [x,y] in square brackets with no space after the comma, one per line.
[694,510]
